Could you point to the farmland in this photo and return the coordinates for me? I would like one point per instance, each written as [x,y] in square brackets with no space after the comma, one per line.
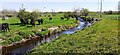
[15,28]
[102,37]
[52,27]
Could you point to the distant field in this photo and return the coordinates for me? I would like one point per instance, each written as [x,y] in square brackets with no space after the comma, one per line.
[14,24]
[102,37]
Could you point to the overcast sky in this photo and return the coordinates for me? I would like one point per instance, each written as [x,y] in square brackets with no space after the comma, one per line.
[58,5]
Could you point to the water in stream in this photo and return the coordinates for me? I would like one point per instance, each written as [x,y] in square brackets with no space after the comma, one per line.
[27,48]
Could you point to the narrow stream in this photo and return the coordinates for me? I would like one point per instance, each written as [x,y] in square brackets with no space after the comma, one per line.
[28,48]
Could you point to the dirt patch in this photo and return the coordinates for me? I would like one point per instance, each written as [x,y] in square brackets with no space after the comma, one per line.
[53,28]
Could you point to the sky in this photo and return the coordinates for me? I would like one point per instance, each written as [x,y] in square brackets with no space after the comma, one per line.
[59,5]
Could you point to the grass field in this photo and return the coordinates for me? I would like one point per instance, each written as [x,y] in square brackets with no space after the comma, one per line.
[102,37]
[14,24]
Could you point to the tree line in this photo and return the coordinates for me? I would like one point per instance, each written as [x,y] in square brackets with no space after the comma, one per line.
[110,12]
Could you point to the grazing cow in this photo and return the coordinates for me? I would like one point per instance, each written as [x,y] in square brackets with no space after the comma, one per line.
[50,18]
[40,21]
[4,27]
[76,17]
[26,21]
[89,20]
[22,21]
[61,18]
[67,18]
[32,22]
[72,16]
[94,20]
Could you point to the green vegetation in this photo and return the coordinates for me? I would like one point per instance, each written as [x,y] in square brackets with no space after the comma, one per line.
[102,37]
[18,32]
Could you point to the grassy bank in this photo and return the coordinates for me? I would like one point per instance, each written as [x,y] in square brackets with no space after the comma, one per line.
[26,31]
[102,37]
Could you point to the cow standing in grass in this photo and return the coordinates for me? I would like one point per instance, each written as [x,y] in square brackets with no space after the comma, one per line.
[40,21]
[32,22]
[4,27]
[50,18]
[67,18]
[61,18]
[24,21]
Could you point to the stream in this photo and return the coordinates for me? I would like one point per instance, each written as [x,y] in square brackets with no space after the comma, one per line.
[28,48]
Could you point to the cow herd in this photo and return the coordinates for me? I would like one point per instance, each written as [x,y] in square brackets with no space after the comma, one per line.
[5,26]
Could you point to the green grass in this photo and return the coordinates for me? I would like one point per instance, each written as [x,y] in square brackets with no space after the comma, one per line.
[15,28]
[102,37]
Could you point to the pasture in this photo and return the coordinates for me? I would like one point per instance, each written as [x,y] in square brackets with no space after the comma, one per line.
[102,37]
[15,28]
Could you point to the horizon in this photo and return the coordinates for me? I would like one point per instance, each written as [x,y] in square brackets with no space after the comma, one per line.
[59,6]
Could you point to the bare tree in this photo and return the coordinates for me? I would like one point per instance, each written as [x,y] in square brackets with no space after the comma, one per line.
[84,12]
[79,12]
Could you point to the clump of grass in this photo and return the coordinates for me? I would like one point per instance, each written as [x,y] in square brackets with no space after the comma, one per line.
[11,40]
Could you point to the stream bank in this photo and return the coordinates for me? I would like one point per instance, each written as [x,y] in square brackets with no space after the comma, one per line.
[29,44]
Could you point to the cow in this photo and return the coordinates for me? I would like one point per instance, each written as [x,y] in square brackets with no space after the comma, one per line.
[50,18]
[67,18]
[26,21]
[40,21]
[22,21]
[61,18]
[89,20]
[32,22]
[4,27]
